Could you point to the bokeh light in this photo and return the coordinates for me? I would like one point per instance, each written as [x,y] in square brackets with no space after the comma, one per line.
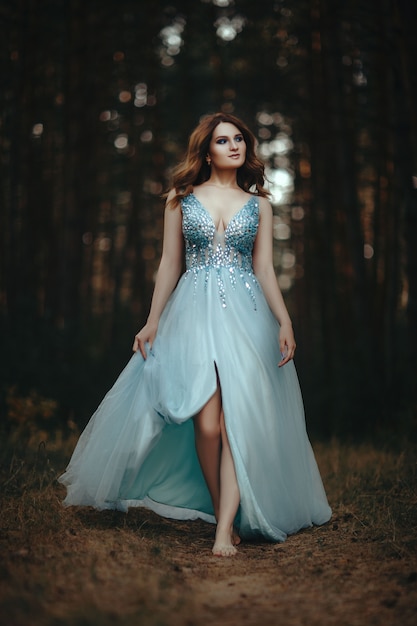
[37,130]
[275,149]
[172,40]
[368,251]
[227,29]
[121,142]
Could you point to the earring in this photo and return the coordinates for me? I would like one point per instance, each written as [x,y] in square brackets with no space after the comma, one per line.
[208,159]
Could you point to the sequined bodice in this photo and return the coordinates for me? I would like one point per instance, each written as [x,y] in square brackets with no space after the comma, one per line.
[205,246]
[207,249]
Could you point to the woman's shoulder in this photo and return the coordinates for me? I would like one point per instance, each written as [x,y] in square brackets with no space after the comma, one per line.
[265,208]
[172,193]
[264,203]
[175,198]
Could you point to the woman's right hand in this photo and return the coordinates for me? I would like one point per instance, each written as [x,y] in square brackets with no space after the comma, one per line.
[145,336]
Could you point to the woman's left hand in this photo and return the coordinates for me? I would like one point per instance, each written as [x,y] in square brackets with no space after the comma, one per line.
[286,344]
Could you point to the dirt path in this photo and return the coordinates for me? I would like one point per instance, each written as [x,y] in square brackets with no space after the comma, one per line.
[79,567]
[137,569]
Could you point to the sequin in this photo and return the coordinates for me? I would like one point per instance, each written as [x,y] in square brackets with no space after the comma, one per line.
[208,250]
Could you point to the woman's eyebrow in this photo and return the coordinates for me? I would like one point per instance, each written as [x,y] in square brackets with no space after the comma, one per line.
[227,136]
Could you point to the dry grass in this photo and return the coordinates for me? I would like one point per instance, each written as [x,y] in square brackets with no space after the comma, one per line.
[67,567]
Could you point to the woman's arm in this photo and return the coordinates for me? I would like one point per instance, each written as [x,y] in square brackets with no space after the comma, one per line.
[167,277]
[264,271]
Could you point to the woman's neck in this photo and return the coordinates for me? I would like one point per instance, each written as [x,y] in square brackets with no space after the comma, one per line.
[225,181]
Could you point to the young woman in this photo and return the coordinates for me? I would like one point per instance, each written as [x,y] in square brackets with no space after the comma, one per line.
[207,419]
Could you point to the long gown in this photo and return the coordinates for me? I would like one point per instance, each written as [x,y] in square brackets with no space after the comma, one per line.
[138,448]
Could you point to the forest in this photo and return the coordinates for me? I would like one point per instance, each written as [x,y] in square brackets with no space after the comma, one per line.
[97,102]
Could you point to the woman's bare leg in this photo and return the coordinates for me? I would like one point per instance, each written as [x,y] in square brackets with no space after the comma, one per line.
[226,538]
[218,469]
[208,445]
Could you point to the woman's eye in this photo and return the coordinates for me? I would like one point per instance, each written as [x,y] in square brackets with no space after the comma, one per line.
[223,140]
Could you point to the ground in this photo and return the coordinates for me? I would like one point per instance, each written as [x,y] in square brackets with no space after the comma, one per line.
[81,567]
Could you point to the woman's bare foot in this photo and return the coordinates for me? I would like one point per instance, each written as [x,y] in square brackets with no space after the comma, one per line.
[224,543]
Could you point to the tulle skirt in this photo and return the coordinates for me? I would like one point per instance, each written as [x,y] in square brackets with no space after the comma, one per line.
[138,448]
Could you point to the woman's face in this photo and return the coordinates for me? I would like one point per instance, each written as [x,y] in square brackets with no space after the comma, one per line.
[227,147]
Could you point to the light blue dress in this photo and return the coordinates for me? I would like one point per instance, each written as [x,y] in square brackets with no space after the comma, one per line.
[138,448]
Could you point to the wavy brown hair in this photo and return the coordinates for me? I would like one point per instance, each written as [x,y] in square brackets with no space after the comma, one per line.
[194,170]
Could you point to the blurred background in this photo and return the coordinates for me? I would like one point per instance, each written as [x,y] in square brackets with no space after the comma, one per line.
[97,101]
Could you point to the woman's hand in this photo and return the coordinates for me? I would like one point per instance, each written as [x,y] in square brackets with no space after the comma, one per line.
[145,336]
[286,344]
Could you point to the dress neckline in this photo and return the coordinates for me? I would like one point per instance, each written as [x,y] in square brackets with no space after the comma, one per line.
[234,216]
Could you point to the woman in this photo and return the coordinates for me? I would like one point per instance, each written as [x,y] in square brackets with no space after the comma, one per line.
[205,420]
